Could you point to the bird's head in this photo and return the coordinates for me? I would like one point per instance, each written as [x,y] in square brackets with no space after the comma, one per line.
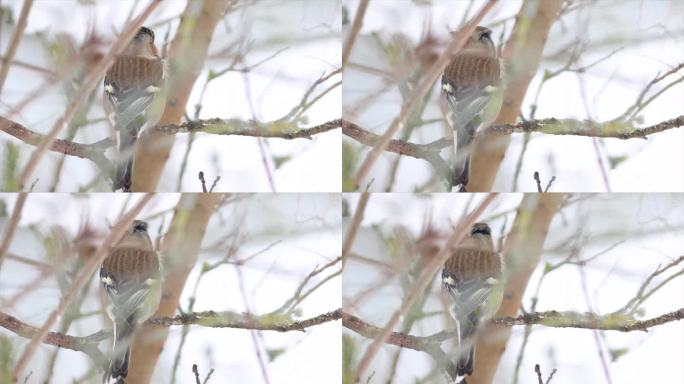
[480,229]
[144,35]
[138,226]
[142,44]
[136,236]
[480,42]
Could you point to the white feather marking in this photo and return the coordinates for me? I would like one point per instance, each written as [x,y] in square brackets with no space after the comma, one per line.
[107,280]
[447,88]
[449,280]
[490,89]
[492,281]
[152,89]
[109,88]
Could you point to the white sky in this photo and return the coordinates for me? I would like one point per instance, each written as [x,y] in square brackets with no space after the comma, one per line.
[611,86]
[275,88]
[612,280]
[307,229]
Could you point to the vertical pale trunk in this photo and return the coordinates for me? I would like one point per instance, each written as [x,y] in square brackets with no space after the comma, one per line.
[187,55]
[179,251]
[523,250]
[521,57]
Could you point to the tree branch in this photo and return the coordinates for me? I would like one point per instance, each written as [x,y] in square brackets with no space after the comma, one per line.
[552,126]
[274,129]
[554,319]
[88,344]
[95,152]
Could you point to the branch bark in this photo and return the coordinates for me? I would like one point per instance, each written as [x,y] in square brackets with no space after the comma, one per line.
[95,152]
[555,319]
[430,151]
[89,344]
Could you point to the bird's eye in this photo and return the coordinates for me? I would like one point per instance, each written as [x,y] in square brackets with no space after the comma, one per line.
[486,36]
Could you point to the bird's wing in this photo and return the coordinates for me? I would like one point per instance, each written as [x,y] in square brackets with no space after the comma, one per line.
[468,278]
[467,296]
[126,276]
[131,85]
[468,83]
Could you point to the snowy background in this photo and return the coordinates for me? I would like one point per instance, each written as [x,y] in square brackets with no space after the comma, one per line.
[638,233]
[307,32]
[648,37]
[302,231]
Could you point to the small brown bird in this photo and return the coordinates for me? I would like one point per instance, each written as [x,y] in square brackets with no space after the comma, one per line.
[473,280]
[130,277]
[130,88]
[470,84]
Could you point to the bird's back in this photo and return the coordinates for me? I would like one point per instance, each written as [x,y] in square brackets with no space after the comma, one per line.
[132,263]
[131,71]
[470,263]
[471,70]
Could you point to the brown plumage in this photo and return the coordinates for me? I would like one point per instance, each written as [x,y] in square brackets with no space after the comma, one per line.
[471,278]
[132,264]
[130,277]
[135,71]
[470,263]
[473,70]
[131,86]
[468,83]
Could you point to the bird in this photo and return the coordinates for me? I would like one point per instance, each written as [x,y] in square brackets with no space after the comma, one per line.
[471,86]
[472,279]
[130,276]
[131,87]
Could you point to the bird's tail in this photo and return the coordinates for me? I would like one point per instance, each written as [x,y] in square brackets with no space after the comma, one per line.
[464,365]
[460,169]
[466,345]
[127,137]
[121,351]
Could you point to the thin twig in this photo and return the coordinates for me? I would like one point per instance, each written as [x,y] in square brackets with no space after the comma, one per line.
[204,183]
[196,372]
[11,226]
[19,28]
[354,226]
[354,31]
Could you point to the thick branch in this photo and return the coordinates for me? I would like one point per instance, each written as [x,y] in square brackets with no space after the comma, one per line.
[554,319]
[612,129]
[269,322]
[95,152]
[430,152]
[275,129]
[88,344]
